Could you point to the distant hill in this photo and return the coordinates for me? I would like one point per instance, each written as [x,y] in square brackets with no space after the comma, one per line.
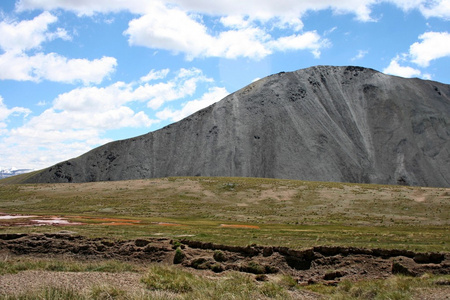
[324,123]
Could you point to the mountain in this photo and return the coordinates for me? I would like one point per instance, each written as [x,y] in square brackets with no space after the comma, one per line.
[324,123]
[4,173]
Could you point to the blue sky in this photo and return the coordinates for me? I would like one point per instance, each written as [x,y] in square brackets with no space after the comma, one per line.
[75,74]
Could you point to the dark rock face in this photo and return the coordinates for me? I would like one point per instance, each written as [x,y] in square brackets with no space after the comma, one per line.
[347,124]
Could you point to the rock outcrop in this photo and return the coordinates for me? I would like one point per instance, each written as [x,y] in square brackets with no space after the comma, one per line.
[324,123]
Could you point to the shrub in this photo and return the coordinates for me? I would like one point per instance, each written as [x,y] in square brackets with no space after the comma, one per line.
[273,290]
[219,256]
[170,279]
[179,256]
[217,268]
[106,292]
[176,245]
[254,267]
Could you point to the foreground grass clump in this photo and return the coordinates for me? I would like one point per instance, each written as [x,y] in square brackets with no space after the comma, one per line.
[50,293]
[168,282]
[233,285]
[169,279]
[10,265]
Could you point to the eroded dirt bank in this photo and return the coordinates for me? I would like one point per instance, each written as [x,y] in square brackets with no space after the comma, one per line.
[319,264]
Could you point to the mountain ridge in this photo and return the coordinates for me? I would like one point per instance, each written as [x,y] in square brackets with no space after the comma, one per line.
[322,123]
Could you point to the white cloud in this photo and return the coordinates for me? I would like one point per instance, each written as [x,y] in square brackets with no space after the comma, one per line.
[310,40]
[394,68]
[235,21]
[175,25]
[78,120]
[249,42]
[440,9]
[267,9]
[16,38]
[39,147]
[174,30]
[184,84]
[212,96]
[28,34]
[94,99]
[155,75]
[360,55]
[256,9]
[87,7]
[54,67]
[6,112]
[169,29]
[434,45]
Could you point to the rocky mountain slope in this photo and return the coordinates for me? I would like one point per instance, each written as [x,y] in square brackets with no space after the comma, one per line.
[324,123]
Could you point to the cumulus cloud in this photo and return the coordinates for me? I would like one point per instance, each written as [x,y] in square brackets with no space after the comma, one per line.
[6,112]
[54,67]
[155,75]
[174,30]
[77,120]
[17,38]
[361,54]
[212,96]
[395,68]
[247,26]
[29,34]
[310,40]
[433,45]
[258,9]
[96,99]
[184,84]
[440,9]
[86,8]
[267,9]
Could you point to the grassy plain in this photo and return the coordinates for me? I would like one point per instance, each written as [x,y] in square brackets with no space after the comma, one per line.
[296,214]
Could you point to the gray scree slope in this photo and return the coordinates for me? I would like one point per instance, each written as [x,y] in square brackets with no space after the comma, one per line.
[324,123]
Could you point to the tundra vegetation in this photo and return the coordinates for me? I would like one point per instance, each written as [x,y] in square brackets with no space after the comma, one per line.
[230,211]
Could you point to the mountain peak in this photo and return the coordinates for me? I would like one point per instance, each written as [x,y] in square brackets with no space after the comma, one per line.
[323,123]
